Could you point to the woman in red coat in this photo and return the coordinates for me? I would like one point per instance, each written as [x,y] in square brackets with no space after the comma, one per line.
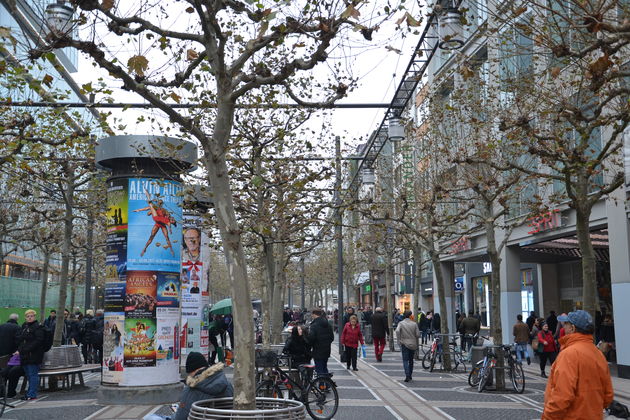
[350,338]
[550,350]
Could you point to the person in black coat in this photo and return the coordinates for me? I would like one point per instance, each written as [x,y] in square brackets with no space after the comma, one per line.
[436,323]
[297,347]
[30,342]
[8,332]
[320,338]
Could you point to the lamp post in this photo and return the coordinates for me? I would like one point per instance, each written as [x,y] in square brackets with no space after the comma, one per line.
[450,29]
[338,233]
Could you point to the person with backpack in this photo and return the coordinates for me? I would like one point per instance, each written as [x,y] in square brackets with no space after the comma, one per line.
[31,348]
[97,338]
[88,333]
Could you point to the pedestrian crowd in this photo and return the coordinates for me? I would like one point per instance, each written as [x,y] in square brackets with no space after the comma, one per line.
[24,345]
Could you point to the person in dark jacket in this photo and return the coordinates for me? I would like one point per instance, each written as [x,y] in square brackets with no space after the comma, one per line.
[320,337]
[530,320]
[468,328]
[50,321]
[203,382]
[8,333]
[87,328]
[436,325]
[367,315]
[31,350]
[380,330]
[97,338]
[552,321]
[424,323]
[297,346]
[8,346]
[346,316]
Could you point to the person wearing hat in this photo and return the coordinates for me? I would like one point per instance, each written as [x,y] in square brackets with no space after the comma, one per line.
[579,385]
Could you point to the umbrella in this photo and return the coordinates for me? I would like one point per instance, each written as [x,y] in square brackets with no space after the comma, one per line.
[222,307]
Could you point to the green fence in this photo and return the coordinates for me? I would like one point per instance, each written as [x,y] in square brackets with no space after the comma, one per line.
[25,293]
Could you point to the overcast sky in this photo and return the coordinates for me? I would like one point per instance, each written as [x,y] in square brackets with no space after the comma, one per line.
[379,70]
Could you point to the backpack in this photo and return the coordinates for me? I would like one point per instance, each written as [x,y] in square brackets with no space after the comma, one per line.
[48,338]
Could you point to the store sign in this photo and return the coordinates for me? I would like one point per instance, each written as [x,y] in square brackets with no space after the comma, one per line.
[461,245]
[368,288]
[459,284]
[487,268]
[545,222]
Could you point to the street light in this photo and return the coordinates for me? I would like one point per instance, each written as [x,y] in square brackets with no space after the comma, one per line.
[59,18]
[450,28]
[367,176]
[395,130]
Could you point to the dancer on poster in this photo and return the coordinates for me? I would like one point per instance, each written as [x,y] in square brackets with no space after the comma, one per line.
[163,221]
[139,342]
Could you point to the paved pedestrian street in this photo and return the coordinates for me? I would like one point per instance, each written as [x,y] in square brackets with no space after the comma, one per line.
[375,391]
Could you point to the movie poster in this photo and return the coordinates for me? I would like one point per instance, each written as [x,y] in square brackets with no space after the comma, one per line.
[155,225]
[141,298]
[115,296]
[167,338]
[168,290]
[116,242]
[113,347]
[140,342]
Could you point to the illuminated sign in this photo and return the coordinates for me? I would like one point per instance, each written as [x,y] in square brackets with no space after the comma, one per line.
[544,222]
[461,245]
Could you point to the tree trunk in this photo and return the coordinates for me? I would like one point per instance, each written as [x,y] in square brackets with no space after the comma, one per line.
[218,177]
[495,285]
[439,279]
[388,301]
[66,248]
[44,287]
[279,286]
[73,282]
[267,301]
[417,262]
[590,296]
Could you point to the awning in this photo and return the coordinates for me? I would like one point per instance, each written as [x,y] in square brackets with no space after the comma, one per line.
[362,278]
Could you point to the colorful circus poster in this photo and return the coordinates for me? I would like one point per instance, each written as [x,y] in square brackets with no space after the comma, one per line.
[117,228]
[113,347]
[168,290]
[141,298]
[140,342]
[155,225]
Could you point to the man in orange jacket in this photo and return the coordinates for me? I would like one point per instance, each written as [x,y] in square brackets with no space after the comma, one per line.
[579,386]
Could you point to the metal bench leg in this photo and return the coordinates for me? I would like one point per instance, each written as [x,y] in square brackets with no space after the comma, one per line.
[81,378]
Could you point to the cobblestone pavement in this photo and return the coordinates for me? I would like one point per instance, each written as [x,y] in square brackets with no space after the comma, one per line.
[375,391]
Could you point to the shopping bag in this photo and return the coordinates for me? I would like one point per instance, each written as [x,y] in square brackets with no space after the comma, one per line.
[344,357]
[363,351]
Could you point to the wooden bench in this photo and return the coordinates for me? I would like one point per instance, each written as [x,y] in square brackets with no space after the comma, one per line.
[69,376]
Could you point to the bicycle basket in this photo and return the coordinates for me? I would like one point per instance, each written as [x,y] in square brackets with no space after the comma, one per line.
[266,358]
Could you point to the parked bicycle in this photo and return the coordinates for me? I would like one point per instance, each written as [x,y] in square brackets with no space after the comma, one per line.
[319,393]
[436,354]
[480,374]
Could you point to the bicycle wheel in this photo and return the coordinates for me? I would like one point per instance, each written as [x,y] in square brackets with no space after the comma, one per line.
[473,377]
[432,361]
[426,360]
[322,399]
[518,377]
[484,375]
[268,389]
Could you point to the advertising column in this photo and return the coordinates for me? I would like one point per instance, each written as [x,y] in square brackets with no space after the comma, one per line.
[142,293]
[142,326]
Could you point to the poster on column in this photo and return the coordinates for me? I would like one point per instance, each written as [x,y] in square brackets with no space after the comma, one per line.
[113,347]
[141,298]
[139,342]
[167,342]
[168,290]
[155,225]
[115,296]
[117,228]
[194,273]
[191,329]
